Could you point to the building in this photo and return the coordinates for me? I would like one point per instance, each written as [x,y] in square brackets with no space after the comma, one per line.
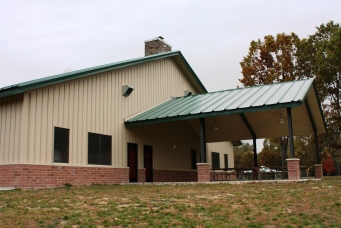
[70,128]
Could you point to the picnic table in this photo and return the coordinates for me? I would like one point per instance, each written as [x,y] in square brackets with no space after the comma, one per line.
[254,173]
[228,174]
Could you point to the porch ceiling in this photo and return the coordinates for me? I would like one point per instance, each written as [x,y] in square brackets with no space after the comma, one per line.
[261,106]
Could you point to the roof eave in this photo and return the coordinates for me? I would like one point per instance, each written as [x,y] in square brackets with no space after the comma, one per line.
[213,114]
[36,84]
[320,108]
[11,91]
[192,72]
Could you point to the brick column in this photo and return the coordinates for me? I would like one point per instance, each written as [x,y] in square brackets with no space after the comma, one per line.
[293,168]
[203,172]
[318,171]
[141,175]
[255,173]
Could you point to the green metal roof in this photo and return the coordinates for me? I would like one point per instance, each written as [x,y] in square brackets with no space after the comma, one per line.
[47,81]
[234,101]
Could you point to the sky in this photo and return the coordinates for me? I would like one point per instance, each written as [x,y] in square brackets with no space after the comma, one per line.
[42,38]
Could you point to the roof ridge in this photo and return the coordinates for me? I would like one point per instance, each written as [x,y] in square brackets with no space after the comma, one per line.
[89,68]
[60,78]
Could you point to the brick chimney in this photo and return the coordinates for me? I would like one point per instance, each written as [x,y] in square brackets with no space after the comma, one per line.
[156,45]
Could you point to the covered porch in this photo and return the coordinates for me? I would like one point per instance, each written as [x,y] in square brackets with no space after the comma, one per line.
[268,111]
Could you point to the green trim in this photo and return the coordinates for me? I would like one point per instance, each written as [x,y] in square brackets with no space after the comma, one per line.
[212,114]
[11,91]
[48,81]
[192,72]
[312,82]
[319,104]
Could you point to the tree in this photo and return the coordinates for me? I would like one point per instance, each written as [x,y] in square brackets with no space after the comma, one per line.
[326,68]
[246,160]
[269,157]
[305,150]
[325,58]
[243,156]
[328,165]
[271,61]
[279,144]
[287,58]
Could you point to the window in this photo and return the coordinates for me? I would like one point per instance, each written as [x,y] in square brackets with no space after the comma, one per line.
[99,149]
[193,159]
[226,161]
[61,145]
[215,160]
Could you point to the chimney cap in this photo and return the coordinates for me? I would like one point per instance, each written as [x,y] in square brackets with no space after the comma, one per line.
[158,38]
[155,46]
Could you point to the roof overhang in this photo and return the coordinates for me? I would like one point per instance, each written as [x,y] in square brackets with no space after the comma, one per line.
[243,113]
[176,56]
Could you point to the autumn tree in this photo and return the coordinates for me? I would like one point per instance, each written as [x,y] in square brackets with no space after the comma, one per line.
[286,58]
[279,144]
[324,56]
[305,150]
[328,165]
[321,53]
[243,156]
[268,157]
[270,61]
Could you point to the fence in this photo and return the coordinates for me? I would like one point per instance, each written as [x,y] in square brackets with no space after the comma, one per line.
[247,174]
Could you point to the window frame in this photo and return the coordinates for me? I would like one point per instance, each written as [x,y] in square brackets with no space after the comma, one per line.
[226,161]
[194,159]
[215,163]
[64,154]
[104,143]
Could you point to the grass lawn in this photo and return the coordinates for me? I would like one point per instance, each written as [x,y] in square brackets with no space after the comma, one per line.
[305,204]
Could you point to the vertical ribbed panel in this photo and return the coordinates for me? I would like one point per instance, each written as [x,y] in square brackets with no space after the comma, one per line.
[95,104]
[10,121]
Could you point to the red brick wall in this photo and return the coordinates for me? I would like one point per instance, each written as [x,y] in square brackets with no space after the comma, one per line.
[9,176]
[293,168]
[203,172]
[174,176]
[45,176]
[141,175]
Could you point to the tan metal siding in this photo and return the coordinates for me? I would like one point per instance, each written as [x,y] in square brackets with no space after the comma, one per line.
[10,120]
[95,104]
[162,137]
[221,148]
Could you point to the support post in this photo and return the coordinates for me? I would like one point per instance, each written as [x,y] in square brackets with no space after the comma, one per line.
[203,172]
[318,160]
[202,141]
[291,137]
[318,171]
[294,172]
[141,173]
[254,137]
[255,159]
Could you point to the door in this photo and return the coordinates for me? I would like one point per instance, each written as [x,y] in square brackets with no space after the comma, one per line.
[193,159]
[148,162]
[215,160]
[132,162]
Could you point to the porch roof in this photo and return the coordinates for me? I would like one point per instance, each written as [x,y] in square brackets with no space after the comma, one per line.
[244,112]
